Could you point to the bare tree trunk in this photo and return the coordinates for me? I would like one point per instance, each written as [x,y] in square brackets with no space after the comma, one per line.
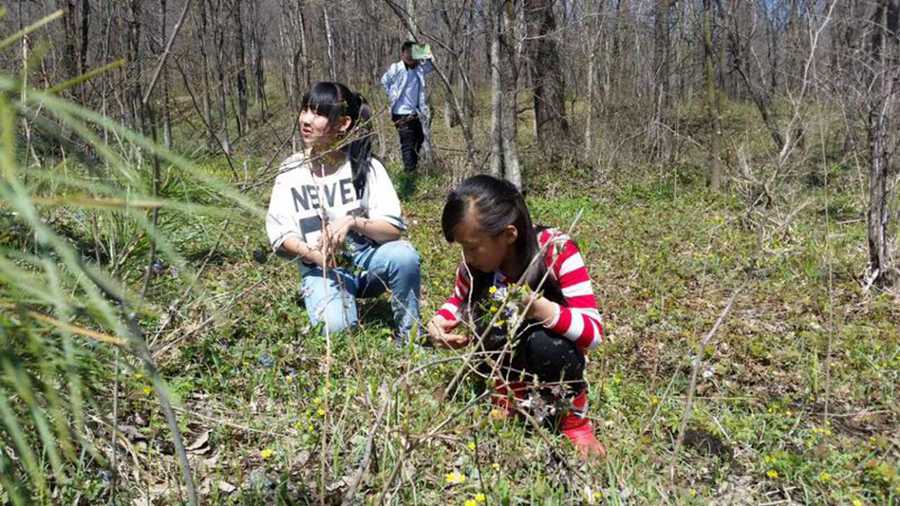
[304,47]
[259,69]
[493,27]
[134,63]
[504,84]
[662,74]
[70,57]
[594,28]
[219,38]
[167,117]
[549,94]
[241,81]
[207,89]
[884,61]
[329,37]
[83,48]
[712,103]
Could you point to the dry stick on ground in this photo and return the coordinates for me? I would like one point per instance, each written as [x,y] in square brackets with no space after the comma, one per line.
[367,455]
[692,387]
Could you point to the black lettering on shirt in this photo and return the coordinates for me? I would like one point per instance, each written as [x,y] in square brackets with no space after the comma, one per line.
[329,195]
[313,193]
[300,200]
[347,190]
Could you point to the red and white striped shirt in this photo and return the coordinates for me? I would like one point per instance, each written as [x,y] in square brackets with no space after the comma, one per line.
[578,319]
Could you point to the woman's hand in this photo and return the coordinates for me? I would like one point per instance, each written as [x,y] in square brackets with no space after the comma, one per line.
[295,248]
[439,331]
[320,258]
[336,232]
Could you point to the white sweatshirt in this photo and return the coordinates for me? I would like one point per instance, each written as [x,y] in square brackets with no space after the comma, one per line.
[300,201]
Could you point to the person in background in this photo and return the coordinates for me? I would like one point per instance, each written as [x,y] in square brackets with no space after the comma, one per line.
[404,83]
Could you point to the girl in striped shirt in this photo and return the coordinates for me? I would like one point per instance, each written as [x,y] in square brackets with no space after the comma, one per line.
[533,339]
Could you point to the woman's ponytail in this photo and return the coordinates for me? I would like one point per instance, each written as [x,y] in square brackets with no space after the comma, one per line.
[360,148]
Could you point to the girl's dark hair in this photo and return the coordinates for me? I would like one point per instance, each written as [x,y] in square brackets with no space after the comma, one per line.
[333,100]
[499,203]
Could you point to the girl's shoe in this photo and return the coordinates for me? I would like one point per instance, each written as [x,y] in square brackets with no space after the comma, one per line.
[580,432]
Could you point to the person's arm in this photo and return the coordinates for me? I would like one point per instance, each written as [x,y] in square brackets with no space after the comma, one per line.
[447,317]
[293,247]
[427,66]
[380,231]
[281,223]
[578,319]
[388,79]
[383,220]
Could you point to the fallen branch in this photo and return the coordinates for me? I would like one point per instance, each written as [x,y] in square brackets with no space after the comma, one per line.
[698,360]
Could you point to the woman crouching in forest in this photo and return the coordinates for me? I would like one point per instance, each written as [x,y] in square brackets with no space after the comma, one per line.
[334,210]
[529,296]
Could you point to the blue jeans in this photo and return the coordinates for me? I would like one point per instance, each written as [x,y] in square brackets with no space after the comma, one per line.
[393,265]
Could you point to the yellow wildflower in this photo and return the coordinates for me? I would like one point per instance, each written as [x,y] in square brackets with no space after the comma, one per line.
[471,446]
[771,473]
[266,453]
[321,412]
[480,498]
[857,502]
[455,478]
[492,290]
[498,414]
[824,477]
[493,309]
[692,492]
[148,390]
[495,466]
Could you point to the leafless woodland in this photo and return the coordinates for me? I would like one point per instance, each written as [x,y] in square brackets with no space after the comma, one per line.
[610,85]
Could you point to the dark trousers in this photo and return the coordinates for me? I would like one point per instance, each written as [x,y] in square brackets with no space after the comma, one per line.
[544,358]
[411,138]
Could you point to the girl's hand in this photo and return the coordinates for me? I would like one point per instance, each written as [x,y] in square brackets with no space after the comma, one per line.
[438,330]
[541,309]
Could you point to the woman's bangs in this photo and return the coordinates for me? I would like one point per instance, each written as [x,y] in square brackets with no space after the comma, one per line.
[322,103]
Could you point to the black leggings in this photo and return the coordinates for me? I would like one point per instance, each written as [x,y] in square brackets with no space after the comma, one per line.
[540,356]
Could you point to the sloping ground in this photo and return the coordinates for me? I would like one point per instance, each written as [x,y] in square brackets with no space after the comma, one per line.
[796,399]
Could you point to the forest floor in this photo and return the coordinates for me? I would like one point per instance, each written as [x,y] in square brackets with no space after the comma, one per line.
[796,399]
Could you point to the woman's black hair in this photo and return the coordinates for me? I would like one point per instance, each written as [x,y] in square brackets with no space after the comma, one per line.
[498,203]
[333,100]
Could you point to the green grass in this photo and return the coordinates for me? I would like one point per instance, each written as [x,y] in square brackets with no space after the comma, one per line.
[286,426]
[797,398]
